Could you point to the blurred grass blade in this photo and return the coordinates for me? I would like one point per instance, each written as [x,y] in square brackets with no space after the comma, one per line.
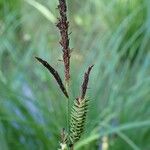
[3,141]
[128,141]
[42,9]
[123,127]
[129,126]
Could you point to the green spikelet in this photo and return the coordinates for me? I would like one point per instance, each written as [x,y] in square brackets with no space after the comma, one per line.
[78,117]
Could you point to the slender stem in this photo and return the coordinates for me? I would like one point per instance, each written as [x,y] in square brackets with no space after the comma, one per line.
[68,107]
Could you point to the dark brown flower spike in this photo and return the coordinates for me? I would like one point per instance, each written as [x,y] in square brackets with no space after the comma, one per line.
[63,26]
[85,82]
[55,75]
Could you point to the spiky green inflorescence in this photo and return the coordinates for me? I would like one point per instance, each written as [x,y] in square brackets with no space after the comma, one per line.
[78,117]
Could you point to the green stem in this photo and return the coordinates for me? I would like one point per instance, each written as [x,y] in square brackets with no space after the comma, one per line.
[68,108]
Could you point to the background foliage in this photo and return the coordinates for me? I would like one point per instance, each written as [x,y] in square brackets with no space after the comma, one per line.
[112,34]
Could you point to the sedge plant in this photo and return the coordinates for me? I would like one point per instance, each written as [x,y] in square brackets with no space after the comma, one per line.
[77,112]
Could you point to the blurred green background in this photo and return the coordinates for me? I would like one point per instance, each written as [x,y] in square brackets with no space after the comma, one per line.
[112,34]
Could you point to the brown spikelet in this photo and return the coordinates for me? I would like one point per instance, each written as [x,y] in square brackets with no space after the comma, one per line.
[63,26]
[55,75]
[85,82]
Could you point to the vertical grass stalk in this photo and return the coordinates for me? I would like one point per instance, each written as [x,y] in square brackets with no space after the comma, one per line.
[76,114]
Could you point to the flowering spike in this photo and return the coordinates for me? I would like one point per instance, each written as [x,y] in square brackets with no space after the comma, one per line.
[55,74]
[63,26]
[85,82]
